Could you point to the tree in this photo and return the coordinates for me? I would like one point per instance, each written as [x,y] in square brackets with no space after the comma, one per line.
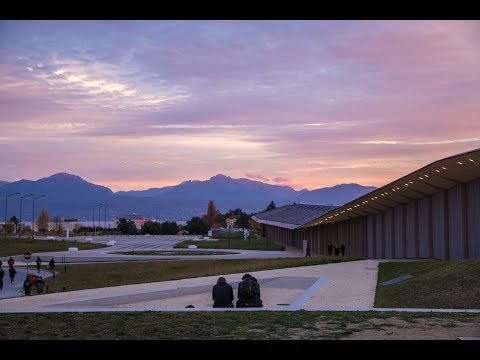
[58,220]
[43,220]
[169,228]
[127,227]
[152,228]
[10,226]
[197,226]
[271,206]
[15,221]
[240,217]
[76,227]
[25,229]
[213,217]
[211,213]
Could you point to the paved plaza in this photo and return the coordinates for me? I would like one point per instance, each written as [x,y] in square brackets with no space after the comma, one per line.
[336,286]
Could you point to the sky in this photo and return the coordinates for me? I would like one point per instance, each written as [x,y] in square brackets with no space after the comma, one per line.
[133,105]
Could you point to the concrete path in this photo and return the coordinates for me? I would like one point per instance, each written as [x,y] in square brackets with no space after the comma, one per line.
[140,243]
[341,286]
[349,285]
[15,289]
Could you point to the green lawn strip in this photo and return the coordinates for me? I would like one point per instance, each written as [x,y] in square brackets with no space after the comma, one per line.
[98,275]
[172,253]
[446,284]
[259,325]
[19,246]
[253,244]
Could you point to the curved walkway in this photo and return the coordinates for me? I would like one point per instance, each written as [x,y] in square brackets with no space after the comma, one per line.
[340,286]
[334,286]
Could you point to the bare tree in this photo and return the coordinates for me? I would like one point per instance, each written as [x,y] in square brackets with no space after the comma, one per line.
[58,220]
[43,220]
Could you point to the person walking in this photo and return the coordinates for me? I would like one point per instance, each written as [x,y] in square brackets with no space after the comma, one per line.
[39,262]
[330,248]
[12,272]
[342,249]
[222,294]
[51,266]
[337,249]
[10,262]
[2,274]
[307,251]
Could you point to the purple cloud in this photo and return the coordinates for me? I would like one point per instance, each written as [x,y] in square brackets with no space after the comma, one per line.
[314,102]
[257,177]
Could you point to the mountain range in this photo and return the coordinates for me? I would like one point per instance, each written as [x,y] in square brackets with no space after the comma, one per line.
[72,197]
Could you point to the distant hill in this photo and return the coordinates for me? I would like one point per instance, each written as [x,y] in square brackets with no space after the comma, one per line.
[218,187]
[3,183]
[62,186]
[152,192]
[72,197]
[335,195]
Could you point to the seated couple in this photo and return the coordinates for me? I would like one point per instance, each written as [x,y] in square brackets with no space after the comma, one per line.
[248,293]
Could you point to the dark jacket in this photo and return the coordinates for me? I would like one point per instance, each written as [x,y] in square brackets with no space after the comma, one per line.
[245,300]
[39,285]
[27,286]
[222,295]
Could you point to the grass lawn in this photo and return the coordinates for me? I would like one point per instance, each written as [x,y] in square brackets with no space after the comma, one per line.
[262,325]
[252,244]
[97,275]
[435,284]
[18,246]
[446,284]
[173,253]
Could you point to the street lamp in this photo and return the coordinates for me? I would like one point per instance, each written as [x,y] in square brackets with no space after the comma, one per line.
[105,219]
[94,229]
[6,203]
[100,214]
[33,210]
[21,199]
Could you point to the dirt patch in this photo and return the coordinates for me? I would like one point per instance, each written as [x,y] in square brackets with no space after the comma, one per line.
[421,329]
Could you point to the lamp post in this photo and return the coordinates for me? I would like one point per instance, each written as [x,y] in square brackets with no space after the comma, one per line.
[94,228]
[100,214]
[33,211]
[105,214]
[6,203]
[21,199]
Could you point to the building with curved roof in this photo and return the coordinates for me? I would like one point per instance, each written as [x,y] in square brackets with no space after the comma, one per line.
[433,212]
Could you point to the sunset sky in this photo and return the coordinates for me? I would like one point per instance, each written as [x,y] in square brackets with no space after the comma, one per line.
[138,104]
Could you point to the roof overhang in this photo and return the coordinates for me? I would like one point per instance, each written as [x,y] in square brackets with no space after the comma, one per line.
[438,176]
[275,223]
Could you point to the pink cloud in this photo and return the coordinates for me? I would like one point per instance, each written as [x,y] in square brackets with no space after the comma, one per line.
[257,177]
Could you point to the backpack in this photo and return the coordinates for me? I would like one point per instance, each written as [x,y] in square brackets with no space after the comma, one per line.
[248,288]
